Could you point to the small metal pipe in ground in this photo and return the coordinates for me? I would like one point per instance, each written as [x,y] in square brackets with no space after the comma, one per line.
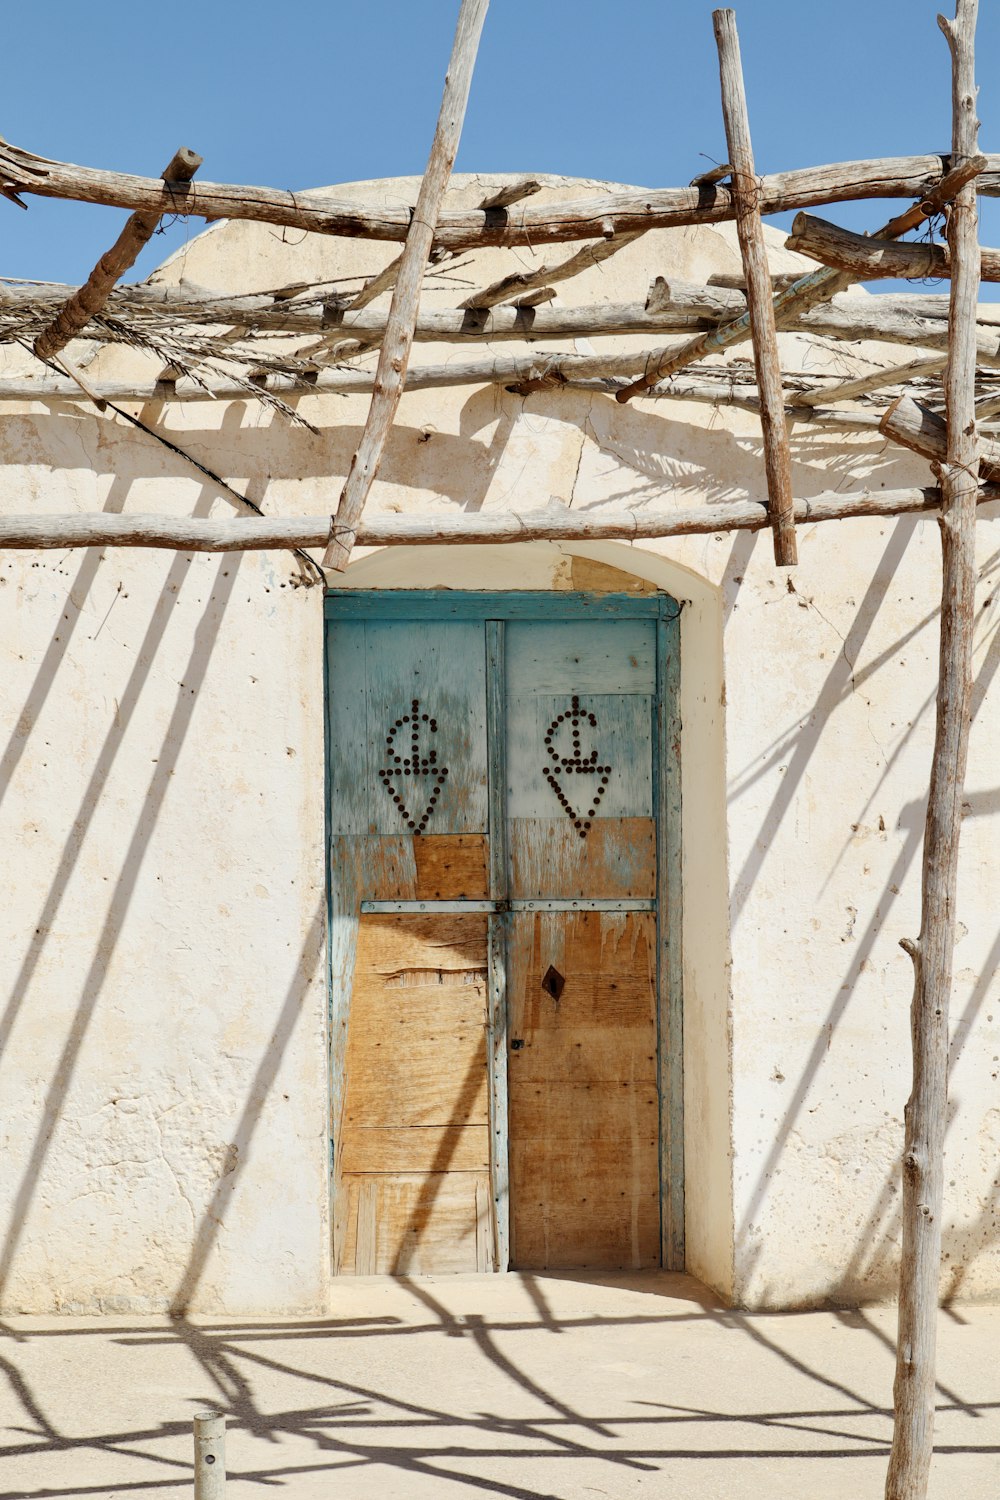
[209,1456]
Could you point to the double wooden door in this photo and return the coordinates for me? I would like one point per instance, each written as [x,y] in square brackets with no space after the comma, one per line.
[505,1038]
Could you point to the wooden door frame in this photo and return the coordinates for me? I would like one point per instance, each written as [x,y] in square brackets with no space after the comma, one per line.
[495,609]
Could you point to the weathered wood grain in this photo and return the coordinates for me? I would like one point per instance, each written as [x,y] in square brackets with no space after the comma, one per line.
[760,302]
[414,1123]
[245,534]
[499,877]
[581,657]
[583,1099]
[372,1149]
[794,303]
[671,306]
[508,287]
[394,354]
[548,858]
[423,1224]
[93,295]
[891,375]
[622,740]
[378,670]
[926,1113]
[921,430]
[451,867]
[580,219]
[870,258]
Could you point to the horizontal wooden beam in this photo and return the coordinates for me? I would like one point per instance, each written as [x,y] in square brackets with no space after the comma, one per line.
[523,375]
[672,307]
[878,380]
[258,534]
[521,224]
[871,259]
[510,287]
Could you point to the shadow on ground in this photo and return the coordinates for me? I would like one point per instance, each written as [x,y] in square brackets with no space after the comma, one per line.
[523,1386]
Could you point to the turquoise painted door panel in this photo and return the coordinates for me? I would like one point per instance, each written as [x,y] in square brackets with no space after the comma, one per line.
[585,656]
[407,727]
[580,700]
[594,749]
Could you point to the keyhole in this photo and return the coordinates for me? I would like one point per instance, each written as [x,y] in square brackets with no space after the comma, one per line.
[553,983]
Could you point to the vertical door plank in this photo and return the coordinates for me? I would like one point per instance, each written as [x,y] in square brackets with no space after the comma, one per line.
[669,967]
[366,1254]
[349,795]
[414,1119]
[583,1099]
[497,938]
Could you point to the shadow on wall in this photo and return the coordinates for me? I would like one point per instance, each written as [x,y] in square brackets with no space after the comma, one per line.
[635,440]
[872,1272]
[147,671]
[656,453]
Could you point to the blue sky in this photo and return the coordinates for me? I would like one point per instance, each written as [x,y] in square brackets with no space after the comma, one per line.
[307,93]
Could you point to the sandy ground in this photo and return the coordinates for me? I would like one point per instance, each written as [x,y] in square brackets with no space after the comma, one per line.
[522,1386]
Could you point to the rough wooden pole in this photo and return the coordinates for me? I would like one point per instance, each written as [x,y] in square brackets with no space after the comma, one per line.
[264,533]
[209,1456]
[760,302]
[92,296]
[390,375]
[808,291]
[467,228]
[918,428]
[868,258]
[932,952]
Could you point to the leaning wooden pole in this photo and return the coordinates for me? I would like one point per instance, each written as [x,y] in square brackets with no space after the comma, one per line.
[932,952]
[394,355]
[760,302]
[139,229]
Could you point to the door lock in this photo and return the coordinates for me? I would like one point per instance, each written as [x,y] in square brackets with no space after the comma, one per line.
[553,983]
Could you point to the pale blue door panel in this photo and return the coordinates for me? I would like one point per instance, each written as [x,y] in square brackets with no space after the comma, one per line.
[582,756]
[580,700]
[407,728]
[347,729]
[583,656]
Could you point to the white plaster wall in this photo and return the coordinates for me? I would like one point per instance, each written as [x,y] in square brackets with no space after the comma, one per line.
[161,783]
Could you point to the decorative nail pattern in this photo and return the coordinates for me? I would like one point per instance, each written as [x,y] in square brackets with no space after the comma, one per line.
[415,764]
[576,763]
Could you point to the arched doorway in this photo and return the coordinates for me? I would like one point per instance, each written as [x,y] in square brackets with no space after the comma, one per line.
[531,1136]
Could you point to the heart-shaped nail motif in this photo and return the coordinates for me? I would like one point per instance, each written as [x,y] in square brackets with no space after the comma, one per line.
[574,764]
[404,774]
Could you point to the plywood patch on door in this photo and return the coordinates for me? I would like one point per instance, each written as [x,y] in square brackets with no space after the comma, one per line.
[451,867]
[423,1226]
[414,1136]
[616,859]
[583,1096]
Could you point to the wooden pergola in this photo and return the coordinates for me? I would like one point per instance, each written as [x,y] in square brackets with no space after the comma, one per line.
[304,340]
